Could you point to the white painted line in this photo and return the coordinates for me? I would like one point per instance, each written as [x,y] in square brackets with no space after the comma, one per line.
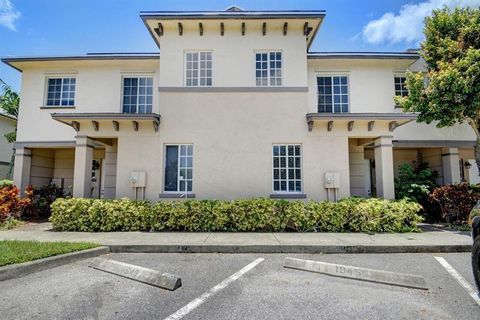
[461,280]
[222,285]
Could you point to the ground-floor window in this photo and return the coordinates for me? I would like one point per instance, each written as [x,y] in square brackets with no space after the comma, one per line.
[178,168]
[287,168]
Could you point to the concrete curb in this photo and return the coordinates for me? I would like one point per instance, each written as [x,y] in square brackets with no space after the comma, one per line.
[289,248]
[21,269]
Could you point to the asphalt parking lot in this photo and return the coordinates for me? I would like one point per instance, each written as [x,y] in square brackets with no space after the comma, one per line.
[265,291]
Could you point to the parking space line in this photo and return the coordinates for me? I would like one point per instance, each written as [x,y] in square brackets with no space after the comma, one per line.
[222,285]
[460,279]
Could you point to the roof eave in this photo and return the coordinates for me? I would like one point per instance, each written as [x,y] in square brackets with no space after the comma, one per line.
[399,56]
[200,15]
[11,61]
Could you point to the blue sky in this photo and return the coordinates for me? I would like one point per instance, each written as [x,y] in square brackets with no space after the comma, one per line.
[65,27]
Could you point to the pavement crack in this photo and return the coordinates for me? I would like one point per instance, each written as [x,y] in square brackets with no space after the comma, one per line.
[273,233]
[208,236]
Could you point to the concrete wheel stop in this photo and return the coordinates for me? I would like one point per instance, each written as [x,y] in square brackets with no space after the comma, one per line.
[363,274]
[148,276]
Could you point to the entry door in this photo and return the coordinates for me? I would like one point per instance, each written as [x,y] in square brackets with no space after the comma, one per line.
[96,178]
[367,173]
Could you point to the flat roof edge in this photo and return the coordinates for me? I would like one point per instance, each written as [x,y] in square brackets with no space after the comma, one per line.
[91,57]
[300,14]
[363,55]
[85,57]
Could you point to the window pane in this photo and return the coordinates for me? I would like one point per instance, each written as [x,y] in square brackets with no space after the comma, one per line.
[171,168]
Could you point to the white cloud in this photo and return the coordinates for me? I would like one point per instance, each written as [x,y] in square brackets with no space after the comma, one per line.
[407,25]
[8,14]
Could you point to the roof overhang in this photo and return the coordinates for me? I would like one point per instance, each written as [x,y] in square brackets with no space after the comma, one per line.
[98,121]
[19,63]
[155,20]
[365,55]
[368,120]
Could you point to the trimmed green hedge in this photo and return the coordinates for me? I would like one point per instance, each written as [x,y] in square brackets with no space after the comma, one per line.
[348,215]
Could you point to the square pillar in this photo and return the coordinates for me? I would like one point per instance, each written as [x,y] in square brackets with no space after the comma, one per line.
[451,165]
[384,168]
[110,171]
[21,169]
[82,172]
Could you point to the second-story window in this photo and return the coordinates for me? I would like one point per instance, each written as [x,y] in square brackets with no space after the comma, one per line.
[61,92]
[268,68]
[137,94]
[332,93]
[198,69]
[400,87]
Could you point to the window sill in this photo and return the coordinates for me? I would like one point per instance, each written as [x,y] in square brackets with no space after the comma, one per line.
[57,107]
[176,196]
[288,196]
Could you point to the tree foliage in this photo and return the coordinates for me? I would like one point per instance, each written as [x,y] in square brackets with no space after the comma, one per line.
[449,92]
[9,100]
[9,103]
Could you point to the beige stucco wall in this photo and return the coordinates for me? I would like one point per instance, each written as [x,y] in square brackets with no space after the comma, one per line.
[232,135]
[233,55]
[371,82]
[98,89]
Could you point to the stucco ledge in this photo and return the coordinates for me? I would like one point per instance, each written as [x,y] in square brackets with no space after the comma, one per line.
[288,196]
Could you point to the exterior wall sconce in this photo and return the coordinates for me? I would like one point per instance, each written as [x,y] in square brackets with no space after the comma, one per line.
[467,164]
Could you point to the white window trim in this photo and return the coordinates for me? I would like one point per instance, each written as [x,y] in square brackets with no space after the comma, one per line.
[178,168]
[395,75]
[185,68]
[136,75]
[268,67]
[334,74]
[55,75]
[301,168]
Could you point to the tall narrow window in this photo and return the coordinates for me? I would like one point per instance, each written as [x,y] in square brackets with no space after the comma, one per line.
[61,92]
[137,94]
[268,68]
[332,93]
[287,168]
[178,168]
[198,69]
[400,87]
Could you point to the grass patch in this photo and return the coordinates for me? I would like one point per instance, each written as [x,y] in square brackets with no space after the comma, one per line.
[15,251]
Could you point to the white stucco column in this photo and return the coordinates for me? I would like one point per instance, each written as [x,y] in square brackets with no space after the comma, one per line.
[82,172]
[384,168]
[450,165]
[110,171]
[21,169]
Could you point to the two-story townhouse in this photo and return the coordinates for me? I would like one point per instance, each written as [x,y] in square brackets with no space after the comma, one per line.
[233,106]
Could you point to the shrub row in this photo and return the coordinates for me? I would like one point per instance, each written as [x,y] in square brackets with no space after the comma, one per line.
[456,201]
[353,214]
[11,205]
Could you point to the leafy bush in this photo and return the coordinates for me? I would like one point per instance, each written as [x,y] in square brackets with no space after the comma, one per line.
[6,183]
[353,214]
[41,199]
[456,201]
[11,205]
[415,181]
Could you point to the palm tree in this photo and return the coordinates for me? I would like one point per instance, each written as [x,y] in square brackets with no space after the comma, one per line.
[9,103]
